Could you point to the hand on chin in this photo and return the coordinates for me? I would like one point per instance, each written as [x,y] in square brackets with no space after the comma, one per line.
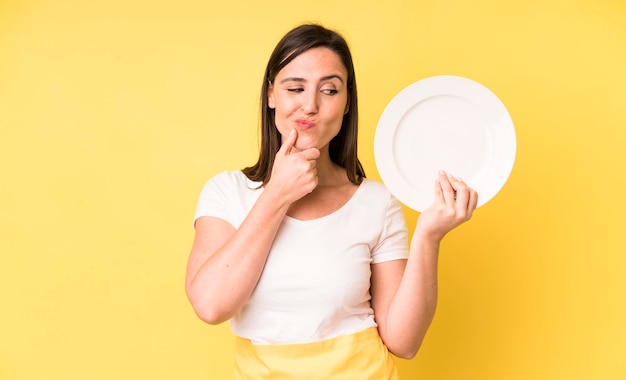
[304,142]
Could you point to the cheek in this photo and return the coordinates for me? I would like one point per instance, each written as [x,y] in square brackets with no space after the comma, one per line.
[341,106]
[339,110]
[281,118]
[284,105]
[280,114]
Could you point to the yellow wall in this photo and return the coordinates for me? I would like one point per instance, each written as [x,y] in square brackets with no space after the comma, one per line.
[114,114]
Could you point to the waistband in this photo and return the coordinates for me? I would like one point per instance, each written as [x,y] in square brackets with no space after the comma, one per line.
[361,356]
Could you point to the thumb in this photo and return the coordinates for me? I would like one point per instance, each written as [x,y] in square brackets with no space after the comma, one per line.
[289,142]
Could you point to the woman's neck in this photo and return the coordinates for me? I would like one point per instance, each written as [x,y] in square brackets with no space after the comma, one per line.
[330,174]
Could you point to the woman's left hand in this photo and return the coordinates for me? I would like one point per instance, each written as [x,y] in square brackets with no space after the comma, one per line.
[453,205]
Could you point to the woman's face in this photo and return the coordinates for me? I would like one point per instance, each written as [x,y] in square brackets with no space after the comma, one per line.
[310,94]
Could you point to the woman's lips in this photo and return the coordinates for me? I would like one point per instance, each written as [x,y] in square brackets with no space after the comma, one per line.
[304,124]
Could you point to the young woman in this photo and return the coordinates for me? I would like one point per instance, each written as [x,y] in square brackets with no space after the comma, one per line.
[307,258]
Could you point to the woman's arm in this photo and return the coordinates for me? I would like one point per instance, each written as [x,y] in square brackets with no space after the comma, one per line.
[404,293]
[225,264]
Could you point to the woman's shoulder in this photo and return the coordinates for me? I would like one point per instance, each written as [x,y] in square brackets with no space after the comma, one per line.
[376,188]
[382,202]
[230,184]
[228,195]
[233,178]
[376,195]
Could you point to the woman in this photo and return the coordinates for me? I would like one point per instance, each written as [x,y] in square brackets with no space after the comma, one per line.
[306,257]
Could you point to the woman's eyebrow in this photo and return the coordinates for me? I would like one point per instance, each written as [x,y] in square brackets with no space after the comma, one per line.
[333,76]
[302,80]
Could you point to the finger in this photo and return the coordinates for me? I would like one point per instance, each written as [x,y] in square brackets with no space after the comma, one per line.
[446,187]
[461,193]
[462,196]
[466,197]
[473,201]
[289,142]
[311,154]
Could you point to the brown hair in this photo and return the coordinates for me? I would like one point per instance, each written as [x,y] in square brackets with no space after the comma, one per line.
[343,147]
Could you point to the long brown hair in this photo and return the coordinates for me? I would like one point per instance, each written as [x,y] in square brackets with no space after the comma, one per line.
[343,147]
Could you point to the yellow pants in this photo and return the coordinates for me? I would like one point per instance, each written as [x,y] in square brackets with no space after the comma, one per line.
[360,356]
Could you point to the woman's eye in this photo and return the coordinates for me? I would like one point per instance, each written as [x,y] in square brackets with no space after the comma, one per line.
[297,89]
[330,91]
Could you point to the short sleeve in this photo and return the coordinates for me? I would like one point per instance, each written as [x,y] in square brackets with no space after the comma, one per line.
[393,243]
[216,198]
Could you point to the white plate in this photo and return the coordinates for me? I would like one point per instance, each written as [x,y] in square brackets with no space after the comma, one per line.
[446,123]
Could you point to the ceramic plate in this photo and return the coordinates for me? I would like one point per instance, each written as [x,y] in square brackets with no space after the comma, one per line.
[446,123]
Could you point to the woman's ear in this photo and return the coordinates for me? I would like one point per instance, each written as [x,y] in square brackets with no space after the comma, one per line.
[270,96]
[345,112]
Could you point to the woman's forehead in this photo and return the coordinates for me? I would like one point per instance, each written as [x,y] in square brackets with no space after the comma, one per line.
[319,62]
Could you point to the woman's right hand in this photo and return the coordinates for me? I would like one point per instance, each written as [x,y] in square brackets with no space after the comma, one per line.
[294,174]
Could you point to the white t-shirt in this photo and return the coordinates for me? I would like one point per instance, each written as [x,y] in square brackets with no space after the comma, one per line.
[316,281]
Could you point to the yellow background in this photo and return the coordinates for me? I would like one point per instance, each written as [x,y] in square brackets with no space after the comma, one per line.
[113,114]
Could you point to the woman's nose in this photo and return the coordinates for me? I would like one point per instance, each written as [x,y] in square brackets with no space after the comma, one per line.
[310,103]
